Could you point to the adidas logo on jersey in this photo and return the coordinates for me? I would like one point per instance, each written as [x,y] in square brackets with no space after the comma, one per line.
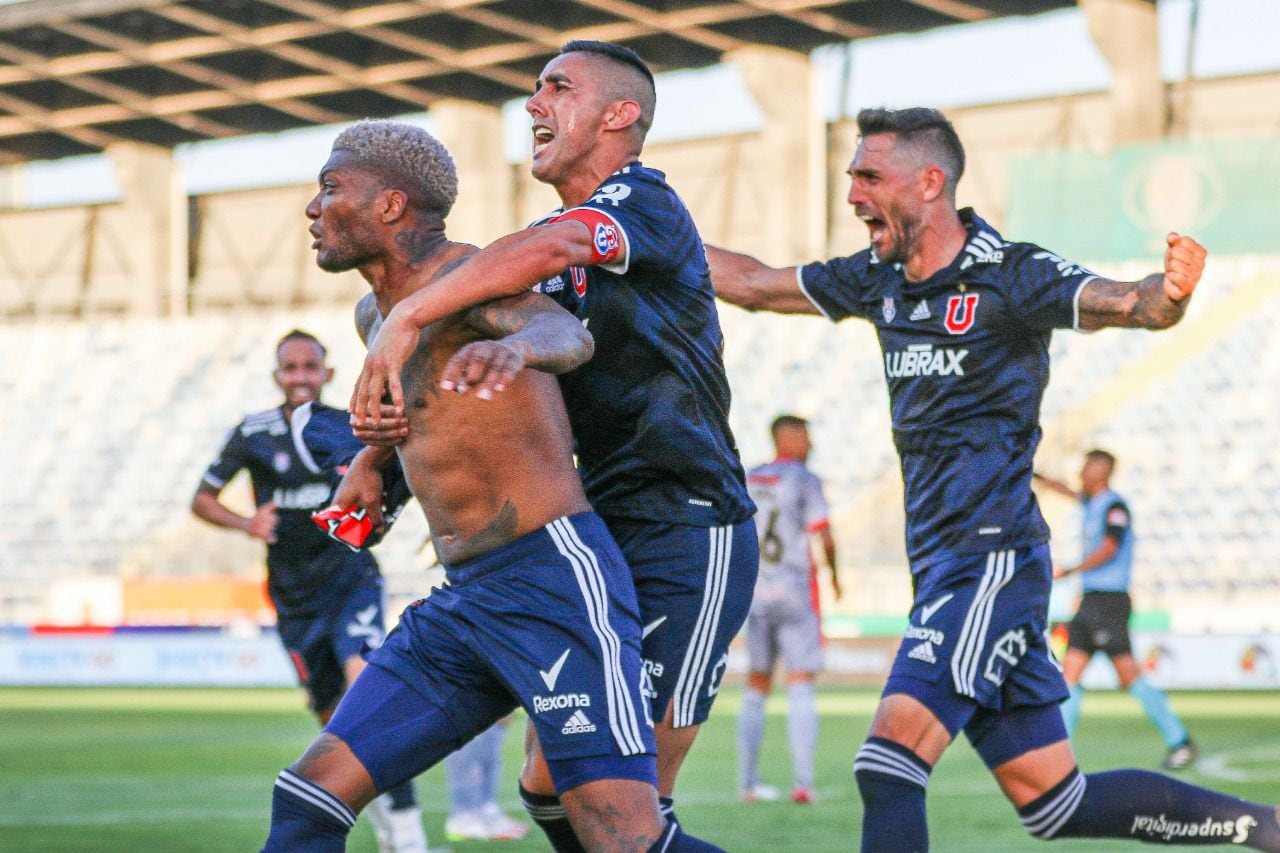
[921,312]
[924,360]
[578,724]
[923,652]
[551,285]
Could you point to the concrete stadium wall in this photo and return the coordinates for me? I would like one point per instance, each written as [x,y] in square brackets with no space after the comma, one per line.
[251,248]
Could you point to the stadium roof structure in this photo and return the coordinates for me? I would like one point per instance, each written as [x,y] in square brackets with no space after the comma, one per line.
[77,76]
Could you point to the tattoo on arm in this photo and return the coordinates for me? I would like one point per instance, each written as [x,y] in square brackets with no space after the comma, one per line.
[551,338]
[367,317]
[1129,304]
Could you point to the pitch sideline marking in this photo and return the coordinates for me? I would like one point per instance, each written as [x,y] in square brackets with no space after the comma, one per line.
[1217,765]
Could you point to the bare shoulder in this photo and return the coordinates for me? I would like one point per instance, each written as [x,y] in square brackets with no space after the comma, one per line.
[367,317]
[455,256]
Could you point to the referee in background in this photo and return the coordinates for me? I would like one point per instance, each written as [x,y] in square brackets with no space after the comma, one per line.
[1102,622]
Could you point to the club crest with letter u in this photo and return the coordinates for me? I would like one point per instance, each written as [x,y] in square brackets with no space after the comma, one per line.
[961,312]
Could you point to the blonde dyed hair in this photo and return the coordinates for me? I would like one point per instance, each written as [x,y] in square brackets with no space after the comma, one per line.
[407,157]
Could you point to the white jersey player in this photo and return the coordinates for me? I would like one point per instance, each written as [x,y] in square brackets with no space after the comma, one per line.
[784,618]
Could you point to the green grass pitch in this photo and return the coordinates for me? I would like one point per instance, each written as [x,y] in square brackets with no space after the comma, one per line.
[191,770]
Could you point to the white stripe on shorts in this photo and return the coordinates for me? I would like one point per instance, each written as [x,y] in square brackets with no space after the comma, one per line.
[623,722]
[698,655]
[964,661]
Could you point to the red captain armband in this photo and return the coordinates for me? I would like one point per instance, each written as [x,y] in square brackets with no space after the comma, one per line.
[606,236]
[350,526]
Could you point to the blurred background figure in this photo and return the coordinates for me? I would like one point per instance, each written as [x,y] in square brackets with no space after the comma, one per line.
[474,773]
[785,620]
[1101,623]
[328,598]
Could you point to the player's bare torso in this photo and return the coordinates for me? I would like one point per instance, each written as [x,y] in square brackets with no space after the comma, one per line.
[485,471]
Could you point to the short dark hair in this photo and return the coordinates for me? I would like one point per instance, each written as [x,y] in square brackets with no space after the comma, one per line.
[783,421]
[924,128]
[648,99]
[616,52]
[1100,455]
[299,335]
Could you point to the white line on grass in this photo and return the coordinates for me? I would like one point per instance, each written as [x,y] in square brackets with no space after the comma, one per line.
[1219,765]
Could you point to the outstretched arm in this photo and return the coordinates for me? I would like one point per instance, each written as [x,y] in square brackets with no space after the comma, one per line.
[1056,486]
[528,330]
[1156,302]
[748,283]
[507,267]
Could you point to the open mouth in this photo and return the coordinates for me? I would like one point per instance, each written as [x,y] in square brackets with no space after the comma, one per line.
[875,226]
[542,137]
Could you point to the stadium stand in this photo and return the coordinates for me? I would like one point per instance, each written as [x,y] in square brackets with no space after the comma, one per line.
[109,426]
[110,423]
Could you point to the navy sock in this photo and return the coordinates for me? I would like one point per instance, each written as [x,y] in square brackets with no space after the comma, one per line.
[548,814]
[402,796]
[1146,806]
[305,816]
[892,781]
[674,840]
[667,805]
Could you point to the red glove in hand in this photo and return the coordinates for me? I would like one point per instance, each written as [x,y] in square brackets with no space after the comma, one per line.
[350,526]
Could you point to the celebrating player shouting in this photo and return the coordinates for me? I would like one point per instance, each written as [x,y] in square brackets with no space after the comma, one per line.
[964,319]
[649,410]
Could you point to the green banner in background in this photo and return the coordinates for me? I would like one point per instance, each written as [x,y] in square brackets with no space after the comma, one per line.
[1118,206]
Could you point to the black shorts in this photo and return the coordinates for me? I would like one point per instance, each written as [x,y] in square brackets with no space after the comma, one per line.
[1101,624]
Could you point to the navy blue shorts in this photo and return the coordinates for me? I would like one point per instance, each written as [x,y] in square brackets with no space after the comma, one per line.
[320,645]
[548,622]
[975,651]
[694,585]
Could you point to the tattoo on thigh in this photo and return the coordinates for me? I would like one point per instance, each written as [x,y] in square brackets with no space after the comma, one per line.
[322,746]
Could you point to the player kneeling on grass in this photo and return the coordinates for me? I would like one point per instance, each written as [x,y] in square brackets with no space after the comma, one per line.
[539,610]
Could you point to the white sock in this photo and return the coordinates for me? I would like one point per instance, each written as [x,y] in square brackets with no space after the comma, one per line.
[802,731]
[750,738]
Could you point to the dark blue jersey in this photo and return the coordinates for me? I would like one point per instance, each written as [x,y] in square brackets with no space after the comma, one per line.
[650,410]
[966,359]
[306,569]
[326,434]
